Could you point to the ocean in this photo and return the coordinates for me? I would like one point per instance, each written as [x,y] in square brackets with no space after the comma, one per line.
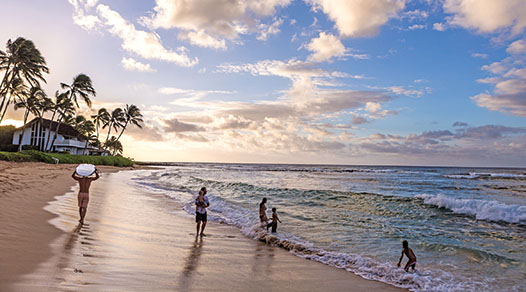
[467,226]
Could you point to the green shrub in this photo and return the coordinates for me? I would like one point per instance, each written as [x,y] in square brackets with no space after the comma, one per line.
[33,155]
[30,147]
[9,148]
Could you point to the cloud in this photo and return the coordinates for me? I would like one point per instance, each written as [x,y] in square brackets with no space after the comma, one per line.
[174,125]
[460,124]
[416,26]
[325,47]
[509,94]
[202,39]
[439,26]
[131,64]
[145,44]
[222,19]
[488,16]
[265,30]
[87,22]
[479,55]
[147,133]
[400,90]
[517,47]
[359,18]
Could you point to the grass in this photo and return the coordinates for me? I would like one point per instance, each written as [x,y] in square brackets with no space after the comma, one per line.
[33,155]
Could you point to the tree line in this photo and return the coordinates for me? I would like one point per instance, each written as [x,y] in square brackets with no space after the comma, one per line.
[24,68]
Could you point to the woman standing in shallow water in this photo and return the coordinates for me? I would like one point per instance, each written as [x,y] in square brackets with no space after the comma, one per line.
[201,203]
[263,212]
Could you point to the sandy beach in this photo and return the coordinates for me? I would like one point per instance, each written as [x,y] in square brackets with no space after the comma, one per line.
[134,242]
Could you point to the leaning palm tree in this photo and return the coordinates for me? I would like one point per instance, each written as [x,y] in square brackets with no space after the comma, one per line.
[115,121]
[66,111]
[60,99]
[132,116]
[114,145]
[100,118]
[82,87]
[30,104]
[21,60]
[43,106]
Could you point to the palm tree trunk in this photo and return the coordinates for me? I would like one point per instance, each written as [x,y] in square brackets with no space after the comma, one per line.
[4,93]
[50,124]
[109,130]
[86,147]
[123,128]
[4,81]
[26,114]
[56,133]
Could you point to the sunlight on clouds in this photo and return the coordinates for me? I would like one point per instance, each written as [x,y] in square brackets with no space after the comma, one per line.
[356,18]
[131,64]
[325,47]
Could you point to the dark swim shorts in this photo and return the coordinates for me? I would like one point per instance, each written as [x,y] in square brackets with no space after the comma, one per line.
[200,217]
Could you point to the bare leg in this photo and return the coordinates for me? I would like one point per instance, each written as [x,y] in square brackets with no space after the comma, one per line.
[203,228]
[198,225]
[80,214]
[83,214]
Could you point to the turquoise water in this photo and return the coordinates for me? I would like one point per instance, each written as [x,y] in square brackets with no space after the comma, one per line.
[467,226]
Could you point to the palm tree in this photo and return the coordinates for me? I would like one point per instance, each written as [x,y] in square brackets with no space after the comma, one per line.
[66,110]
[100,118]
[43,106]
[82,87]
[30,104]
[60,99]
[21,60]
[113,144]
[115,121]
[133,116]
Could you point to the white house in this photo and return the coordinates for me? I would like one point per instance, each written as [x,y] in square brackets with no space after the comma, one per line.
[68,138]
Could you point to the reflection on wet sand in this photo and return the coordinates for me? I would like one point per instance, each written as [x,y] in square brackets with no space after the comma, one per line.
[191,263]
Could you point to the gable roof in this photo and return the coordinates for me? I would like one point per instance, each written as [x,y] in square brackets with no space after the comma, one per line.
[65,129]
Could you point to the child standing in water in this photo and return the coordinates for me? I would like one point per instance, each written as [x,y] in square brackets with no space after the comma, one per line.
[275,220]
[411,263]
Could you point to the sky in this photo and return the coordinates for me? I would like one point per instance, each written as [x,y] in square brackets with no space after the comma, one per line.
[378,82]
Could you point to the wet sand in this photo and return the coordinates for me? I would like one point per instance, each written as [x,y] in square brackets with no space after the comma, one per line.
[135,241]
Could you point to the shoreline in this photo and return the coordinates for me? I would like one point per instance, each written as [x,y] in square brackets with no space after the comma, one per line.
[26,188]
[228,248]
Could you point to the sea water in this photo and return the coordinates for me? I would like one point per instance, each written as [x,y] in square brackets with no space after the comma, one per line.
[467,226]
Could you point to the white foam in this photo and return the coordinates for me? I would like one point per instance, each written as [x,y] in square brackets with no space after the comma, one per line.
[482,210]
[474,175]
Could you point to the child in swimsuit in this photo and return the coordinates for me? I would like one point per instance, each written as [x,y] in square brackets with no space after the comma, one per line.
[411,263]
[275,220]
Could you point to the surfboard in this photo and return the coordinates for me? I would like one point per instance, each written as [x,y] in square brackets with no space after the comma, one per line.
[85,169]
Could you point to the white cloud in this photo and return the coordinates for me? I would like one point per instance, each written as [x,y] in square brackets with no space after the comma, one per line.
[509,94]
[479,55]
[222,19]
[416,26]
[517,47]
[87,22]
[487,16]
[357,18]
[202,39]
[400,90]
[145,44]
[265,30]
[439,26]
[131,64]
[325,47]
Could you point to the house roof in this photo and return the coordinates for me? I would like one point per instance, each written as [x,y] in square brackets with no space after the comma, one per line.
[65,129]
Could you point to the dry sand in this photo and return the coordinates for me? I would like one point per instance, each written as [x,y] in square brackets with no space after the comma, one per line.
[135,242]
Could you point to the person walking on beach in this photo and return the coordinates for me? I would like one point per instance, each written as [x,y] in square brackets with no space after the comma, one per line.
[275,220]
[263,212]
[201,203]
[83,196]
[411,263]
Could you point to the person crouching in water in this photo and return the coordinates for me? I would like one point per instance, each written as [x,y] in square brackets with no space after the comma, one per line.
[411,263]
[275,220]
[201,203]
